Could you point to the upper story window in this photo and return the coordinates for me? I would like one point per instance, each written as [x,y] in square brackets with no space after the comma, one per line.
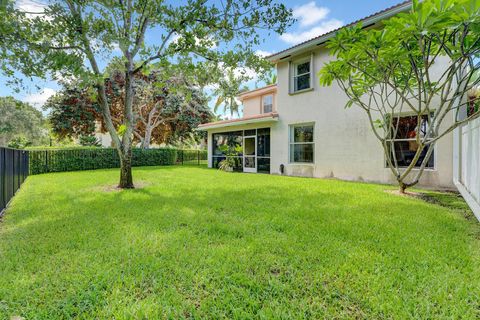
[301,76]
[267,103]
[302,144]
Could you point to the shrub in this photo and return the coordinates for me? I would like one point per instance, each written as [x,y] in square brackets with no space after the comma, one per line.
[19,143]
[89,141]
[43,161]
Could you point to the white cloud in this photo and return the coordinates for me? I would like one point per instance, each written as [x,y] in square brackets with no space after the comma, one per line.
[245,72]
[301,36]
[240,72]
[262,53]
[174,38]
[33,8]
[38,99]
[309,14]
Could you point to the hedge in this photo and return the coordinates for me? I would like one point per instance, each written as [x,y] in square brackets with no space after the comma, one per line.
[43,161]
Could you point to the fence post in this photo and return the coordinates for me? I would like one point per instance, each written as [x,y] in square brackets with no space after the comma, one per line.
[182,157]
[198,156]
[46,161]
[3,192]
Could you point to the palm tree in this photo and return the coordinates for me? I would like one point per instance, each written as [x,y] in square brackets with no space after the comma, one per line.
[272,79]
[227,92]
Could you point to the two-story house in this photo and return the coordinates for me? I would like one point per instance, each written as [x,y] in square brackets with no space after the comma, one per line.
[300,128]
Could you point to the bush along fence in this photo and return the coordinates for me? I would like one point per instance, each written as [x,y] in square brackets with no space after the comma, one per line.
[16,165]
[13,171]
[44,161]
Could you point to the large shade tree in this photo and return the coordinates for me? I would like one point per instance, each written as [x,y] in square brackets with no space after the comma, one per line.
[197,32]
[20,121]
[422,63]
[161,116]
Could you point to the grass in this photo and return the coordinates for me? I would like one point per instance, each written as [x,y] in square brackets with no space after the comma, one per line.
[199,243]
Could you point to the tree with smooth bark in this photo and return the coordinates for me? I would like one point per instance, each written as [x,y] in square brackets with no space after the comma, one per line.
[195,32]
[411,76]
[164,114]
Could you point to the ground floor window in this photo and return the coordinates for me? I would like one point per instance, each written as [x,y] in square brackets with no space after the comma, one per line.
[263,150]
[301,144]
[230,144]
[404,144]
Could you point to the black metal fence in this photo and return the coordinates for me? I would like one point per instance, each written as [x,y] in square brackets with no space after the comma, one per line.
[13,171]
[60,160]
[192,157]
[16,165]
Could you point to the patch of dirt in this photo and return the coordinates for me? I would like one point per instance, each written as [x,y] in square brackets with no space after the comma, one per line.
[468,214]
[406,194]
[275,271]
[114,188]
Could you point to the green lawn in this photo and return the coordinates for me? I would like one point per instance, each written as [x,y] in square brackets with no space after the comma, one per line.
[199,243]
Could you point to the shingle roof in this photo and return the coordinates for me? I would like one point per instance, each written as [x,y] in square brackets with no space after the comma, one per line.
[405,4]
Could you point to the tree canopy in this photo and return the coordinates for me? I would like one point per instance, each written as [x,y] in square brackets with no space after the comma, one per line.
[421,63]
[162,117]
[21,122]
[196,35]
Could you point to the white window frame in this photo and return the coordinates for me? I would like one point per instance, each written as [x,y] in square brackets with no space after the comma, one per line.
[293,74]
[263,103]
[435,146]
[291,141]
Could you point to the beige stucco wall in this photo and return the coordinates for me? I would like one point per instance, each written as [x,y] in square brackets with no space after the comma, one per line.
[345,146]
[254,105]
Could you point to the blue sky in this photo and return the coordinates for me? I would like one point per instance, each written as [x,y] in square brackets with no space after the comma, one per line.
[315,17]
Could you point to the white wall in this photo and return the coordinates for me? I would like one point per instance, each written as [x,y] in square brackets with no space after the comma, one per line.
[104,139]
[467,163]
[345,146]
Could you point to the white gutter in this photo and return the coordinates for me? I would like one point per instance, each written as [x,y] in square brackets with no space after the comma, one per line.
[238,123]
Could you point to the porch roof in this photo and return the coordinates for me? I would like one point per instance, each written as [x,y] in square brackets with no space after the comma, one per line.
[260,118]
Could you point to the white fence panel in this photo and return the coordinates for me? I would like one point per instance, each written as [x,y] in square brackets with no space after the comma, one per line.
[468,162]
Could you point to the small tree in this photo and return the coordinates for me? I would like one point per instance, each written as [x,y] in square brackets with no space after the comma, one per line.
[89,141]
[195,31]
[421,63]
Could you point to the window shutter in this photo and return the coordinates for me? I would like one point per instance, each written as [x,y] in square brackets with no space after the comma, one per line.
[290,77]
[312,69]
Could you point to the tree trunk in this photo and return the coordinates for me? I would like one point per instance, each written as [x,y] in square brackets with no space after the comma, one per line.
[148,137]
[403,187]
[126,178]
